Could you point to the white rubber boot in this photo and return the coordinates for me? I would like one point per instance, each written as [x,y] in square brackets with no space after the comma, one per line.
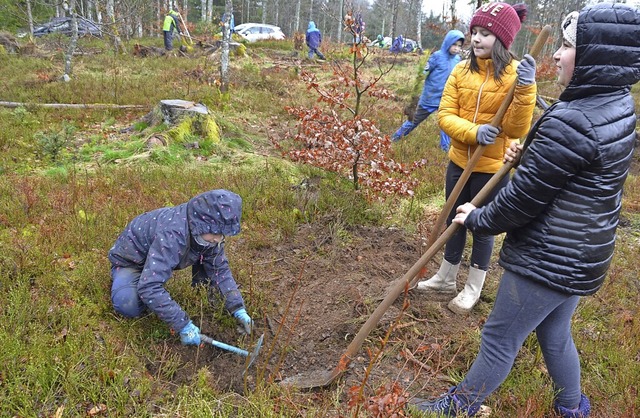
[444,281]
[466,300]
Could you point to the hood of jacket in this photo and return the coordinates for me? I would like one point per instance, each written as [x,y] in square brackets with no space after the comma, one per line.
[215,212]
[312,27]
[606,59]
[439,67]
[451,38]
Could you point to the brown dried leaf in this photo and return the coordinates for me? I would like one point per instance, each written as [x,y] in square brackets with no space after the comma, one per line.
[97,409]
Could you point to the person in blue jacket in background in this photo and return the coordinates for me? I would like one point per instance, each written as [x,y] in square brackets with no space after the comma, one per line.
[397,45]
[313,40]
[437,71]
[158,242]
[232,22]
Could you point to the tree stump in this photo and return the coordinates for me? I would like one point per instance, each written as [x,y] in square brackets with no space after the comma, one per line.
[173,111]
[298,41]
[9,43]
[187,123]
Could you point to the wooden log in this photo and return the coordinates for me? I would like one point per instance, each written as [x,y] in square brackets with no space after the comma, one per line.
[147,51]
[71,105]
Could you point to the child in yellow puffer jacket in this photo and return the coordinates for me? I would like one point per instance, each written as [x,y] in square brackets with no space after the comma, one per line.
[472,95]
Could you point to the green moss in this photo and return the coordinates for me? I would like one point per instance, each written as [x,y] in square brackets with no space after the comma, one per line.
[240,51]
[199,126]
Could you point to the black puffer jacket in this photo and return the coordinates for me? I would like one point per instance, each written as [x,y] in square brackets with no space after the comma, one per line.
[561,209]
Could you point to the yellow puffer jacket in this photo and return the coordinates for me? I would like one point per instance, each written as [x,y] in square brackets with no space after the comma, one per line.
[472,99]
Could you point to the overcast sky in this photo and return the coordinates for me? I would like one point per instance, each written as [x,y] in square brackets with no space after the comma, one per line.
[464,10]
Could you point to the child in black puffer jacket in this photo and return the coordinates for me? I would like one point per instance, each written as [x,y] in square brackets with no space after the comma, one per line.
[560,211]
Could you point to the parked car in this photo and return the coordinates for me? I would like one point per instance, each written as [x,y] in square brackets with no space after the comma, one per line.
[63,25]
[253,32]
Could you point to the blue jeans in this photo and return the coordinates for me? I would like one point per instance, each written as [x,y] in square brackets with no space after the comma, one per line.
[124,292]
[521,307]
[422,113]
[127,302]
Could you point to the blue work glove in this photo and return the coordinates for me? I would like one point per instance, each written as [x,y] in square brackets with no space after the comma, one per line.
[487,134]
[526,71]
[244,320]
[190,334]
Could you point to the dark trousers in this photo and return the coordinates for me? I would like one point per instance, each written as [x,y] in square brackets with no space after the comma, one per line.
[168,40]
[482,244]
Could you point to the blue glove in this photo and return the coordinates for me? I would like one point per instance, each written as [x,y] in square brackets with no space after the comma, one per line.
[244,320]
[526,71]
[190,334]
[487,134]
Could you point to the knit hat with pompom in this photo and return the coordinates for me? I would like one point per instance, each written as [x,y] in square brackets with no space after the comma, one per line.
[501,19]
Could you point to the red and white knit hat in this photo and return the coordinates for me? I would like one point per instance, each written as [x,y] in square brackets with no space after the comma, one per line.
[501,19]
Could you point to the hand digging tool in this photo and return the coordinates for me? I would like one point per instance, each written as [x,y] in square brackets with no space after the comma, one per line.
[251,357]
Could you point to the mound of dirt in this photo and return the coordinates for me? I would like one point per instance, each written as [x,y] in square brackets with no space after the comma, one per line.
[321,286]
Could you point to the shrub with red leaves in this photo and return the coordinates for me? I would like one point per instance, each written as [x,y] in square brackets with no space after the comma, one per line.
[353,147]
[338,138]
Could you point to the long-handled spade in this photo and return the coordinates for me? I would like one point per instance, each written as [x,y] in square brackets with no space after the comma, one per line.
[320,379]
[251,357]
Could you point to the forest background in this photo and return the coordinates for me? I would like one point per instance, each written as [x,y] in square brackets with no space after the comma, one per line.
[410,18]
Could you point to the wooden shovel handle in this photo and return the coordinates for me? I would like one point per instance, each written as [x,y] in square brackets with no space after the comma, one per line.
[534,52]
[399,285]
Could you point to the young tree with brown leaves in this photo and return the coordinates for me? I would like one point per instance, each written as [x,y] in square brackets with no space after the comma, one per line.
[338,137]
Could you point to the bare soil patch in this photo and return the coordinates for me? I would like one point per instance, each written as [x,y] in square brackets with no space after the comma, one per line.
[321,286]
